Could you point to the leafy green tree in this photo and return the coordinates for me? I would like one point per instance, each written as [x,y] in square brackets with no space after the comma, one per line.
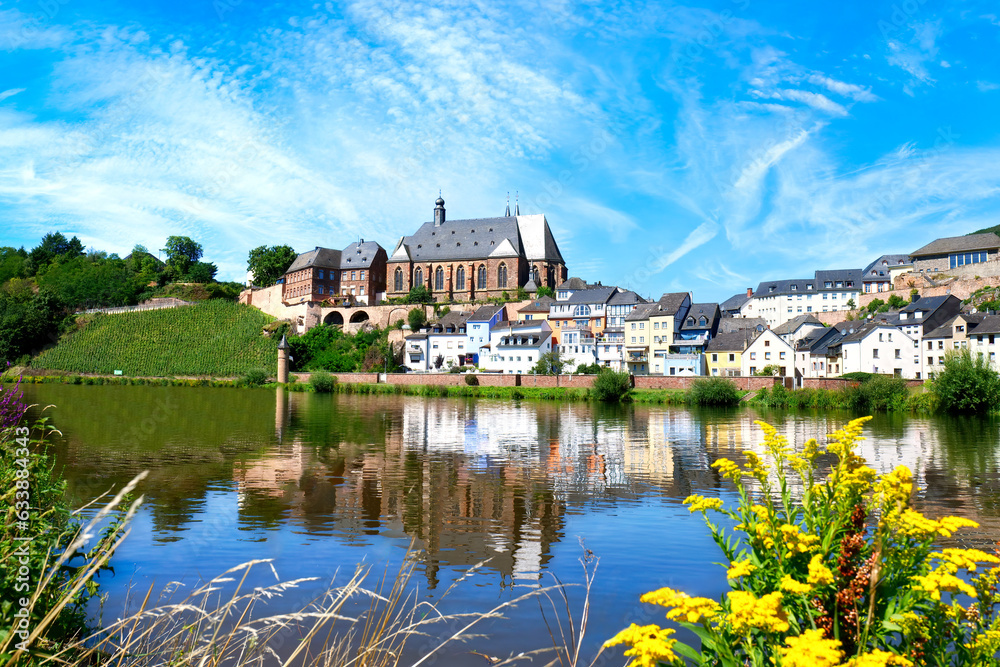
[521,294]
[416,318]
[269,264]
[850,304]
[545,290]
[11,263]
[182,252]
[896,301]
[419,294]
[53,246]
[201,272]
[968,384]
[28,322]
[768,371]
[874,305]
[549,363]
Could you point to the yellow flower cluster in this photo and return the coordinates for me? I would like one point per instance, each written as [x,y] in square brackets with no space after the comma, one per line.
[650,644]
[915,524]
[703,504]
[792,586]
[729,470]
[943,579]
[986,644]
[811,649]
[740,568]
[765,613]
[878,658]
[896,487]
[755,466]
[819,574]
[967,559]
[774,443]
[684,607]
[796,541]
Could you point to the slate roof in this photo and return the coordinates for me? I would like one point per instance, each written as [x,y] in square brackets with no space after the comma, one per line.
[882,273]
[625,297]
[455,318]
[925,304]
[988,241]
[989,325]
[359,255]
[709,310]
[730,342]
[834,275]
[508,236]
[818,283]
[947,330]
[573,283]
[485,313]
[671,302]
[591,295]
[732,324]
[326,258]
[793,324]
[539,305]
[642,312]
[863,330]
[515,325]
[831,337]
[734,302]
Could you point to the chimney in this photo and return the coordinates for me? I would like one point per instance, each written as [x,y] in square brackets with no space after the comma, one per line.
[749,292]
[915,298]
[439,212]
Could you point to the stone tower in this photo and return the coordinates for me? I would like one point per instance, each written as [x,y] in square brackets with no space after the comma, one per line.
[283,360]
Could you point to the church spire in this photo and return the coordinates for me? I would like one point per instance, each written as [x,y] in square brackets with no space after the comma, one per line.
[507,213]
[517,206]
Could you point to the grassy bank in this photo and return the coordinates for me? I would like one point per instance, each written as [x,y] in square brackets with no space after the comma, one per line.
[216,338]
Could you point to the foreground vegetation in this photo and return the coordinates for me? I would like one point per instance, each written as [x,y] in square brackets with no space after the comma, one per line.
[842,572]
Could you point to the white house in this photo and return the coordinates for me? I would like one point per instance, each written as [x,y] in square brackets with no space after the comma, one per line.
[440,345]
[577,347]
[611,349]
[477,331]
[797,328]
[877,347]
[985,339]
[778,301]
[515,347]
[818,355]
[767,349]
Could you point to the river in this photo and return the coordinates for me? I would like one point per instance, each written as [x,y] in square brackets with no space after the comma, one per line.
[320,483]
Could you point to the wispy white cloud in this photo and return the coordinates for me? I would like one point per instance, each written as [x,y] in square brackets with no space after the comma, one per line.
[10,93]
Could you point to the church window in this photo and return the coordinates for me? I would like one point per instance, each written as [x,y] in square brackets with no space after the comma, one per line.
[418,276]
[502,275]
[481,277]
[460,278]
[398,280]
[439,279]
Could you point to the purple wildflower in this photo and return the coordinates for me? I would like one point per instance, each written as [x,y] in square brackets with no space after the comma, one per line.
[12,408]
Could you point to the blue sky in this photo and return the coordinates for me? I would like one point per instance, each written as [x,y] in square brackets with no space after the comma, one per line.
[699,147]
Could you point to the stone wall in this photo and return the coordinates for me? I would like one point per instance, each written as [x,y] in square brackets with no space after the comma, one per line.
[744,383]
[842,383]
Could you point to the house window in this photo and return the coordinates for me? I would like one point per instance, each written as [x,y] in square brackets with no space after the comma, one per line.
[439,279]
[732,357]
[581,311]
[481,277]
[361,275]
[767,343]
[715,358]
[898,355]
[502,275]
[460,278]
[320,289]
[767,355]
[781,355]
[397,282]
[753,355]
[320,274]
[875,353]
[353,275]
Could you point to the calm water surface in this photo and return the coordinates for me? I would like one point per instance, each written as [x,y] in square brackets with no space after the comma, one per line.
[320,483]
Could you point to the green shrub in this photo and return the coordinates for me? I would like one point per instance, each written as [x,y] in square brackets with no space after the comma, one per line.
[416,319]
[471,380]
[322,382]
[967,385]
[254,378]
[714,391]
[612,386]
[881,393]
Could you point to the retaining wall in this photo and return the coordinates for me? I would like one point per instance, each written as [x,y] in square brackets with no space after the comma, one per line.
[842,383]
[749,383]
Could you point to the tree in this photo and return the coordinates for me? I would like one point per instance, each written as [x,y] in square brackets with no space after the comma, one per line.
[768,371]
[896,301]
[545,290]
[269,264]
[850,304]
[416,319]
[201,272]
[549,364]
[182,252]
[875,305]
[419,294]
[53,246]
[968,384]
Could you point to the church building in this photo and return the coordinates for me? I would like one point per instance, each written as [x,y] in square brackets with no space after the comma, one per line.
[463,260]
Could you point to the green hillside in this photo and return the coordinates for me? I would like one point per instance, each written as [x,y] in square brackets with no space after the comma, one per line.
[211,338]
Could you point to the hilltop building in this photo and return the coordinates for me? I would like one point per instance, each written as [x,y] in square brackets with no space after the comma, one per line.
[355,274]
[482,258]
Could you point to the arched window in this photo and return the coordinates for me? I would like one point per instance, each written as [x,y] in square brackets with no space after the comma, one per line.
[481,277]
[418,276]
[534,274]
[398,280]
[439,279]
[581,311]
[502,275]
[460,278]
[702,321]
[690,322]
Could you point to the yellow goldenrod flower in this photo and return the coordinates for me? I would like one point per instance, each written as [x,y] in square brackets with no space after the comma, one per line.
[740,568]
[943,579]
[811,649]
[986,644]
[650,644]
[965,558]
[797,587]
[915,524]
[728,469]
[755,466]
[684,607]
[703,504]
[878,658]
[896,487]
[949,524]
[819,574]
[796,541]
[765,613]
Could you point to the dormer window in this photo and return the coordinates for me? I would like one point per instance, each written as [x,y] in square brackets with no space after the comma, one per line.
[794,287]
[809,286]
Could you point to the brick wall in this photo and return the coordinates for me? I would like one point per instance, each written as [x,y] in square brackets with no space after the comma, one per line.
[841,383]
[752,383]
